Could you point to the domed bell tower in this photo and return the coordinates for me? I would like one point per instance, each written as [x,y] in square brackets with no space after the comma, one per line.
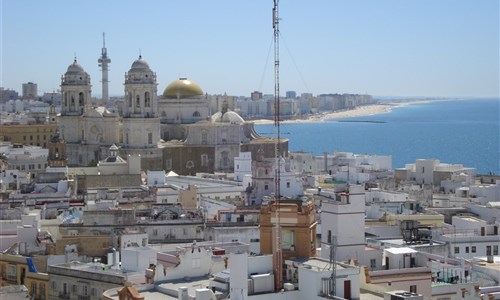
[141,125]
[75,89]
[140,91]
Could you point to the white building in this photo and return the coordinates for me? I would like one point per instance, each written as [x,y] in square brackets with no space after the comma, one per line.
[343,220]
[430,172]
[32,159]
[471,237]
[242,165]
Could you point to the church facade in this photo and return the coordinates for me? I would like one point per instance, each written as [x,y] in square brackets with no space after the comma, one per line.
[173,132]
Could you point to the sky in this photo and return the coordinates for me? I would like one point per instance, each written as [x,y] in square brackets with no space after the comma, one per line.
[445,48]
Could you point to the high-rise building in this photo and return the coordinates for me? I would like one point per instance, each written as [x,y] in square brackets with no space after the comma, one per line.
[291,94]
[256,95]
[30,90]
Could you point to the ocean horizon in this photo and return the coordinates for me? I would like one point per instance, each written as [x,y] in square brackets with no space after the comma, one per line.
[465,131]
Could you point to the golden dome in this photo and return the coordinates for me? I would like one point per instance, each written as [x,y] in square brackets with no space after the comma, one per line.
[182,88]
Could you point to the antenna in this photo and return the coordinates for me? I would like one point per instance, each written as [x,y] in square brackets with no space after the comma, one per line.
[333,261]
[277,255]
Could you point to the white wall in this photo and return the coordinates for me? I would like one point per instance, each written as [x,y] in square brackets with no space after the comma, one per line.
[346,222]
[137,259]
[156,178]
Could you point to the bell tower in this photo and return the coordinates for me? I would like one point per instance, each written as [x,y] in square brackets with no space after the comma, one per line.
[75,89]
[140,91]
[57,152]
[141,124]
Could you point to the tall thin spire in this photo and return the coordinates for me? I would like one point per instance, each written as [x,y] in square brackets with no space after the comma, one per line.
[103,61]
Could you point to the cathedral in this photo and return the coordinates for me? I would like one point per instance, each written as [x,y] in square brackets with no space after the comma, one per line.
[174,131]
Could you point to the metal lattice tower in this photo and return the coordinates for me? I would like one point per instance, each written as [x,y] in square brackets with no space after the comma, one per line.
[103,61]
[277,254]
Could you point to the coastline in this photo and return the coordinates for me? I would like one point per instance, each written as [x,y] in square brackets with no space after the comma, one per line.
[359,111]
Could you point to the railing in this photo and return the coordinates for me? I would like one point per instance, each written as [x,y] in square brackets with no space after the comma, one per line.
[231,224]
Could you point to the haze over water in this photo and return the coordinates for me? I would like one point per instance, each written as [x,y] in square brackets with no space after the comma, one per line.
[453,131]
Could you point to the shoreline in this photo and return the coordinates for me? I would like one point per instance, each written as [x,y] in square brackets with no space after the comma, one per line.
[359,111]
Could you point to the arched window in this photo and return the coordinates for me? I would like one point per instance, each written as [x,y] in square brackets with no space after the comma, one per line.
[147,100]
[80,99]
[225,159]
[204,137]
[129,99]
[72,100]
[204,160]
[196,114]
[138,101]
[65,99]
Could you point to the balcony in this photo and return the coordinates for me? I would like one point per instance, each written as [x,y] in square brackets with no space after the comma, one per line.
[63,295]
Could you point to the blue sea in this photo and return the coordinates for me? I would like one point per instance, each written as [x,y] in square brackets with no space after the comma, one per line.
[454,131]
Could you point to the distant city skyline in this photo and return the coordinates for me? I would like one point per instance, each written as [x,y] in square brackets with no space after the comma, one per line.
[446,48]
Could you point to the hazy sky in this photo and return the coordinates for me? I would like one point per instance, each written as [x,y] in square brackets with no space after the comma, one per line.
[383,47]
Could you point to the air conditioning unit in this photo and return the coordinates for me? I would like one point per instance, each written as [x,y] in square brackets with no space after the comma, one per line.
[402,295]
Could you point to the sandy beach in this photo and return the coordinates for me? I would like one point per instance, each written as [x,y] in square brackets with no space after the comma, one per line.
[360,111]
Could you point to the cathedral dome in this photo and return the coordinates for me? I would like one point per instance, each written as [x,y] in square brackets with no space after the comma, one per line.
[75,68]
[182,88]
[227,117]
[140,65]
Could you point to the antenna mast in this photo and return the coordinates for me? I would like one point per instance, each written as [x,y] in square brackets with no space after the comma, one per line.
[103,61]
[277,255]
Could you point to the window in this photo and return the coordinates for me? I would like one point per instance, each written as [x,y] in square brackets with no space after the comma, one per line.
[473,249]
[138,101]
[329,237]
[196,263]
[495,250]
[74,288]
[288,239]
[93,292]
[254,240]
[204,160]
[457,250]
[155,232]
[204,137]
[147,100]
[373,263]
[413,288]
[41,287]
[488,250]
[80,99]
[466,249]
[11,273]
[196,114]
[85,290]
[288,185]
[150,138]
[53,285]
[266,187]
